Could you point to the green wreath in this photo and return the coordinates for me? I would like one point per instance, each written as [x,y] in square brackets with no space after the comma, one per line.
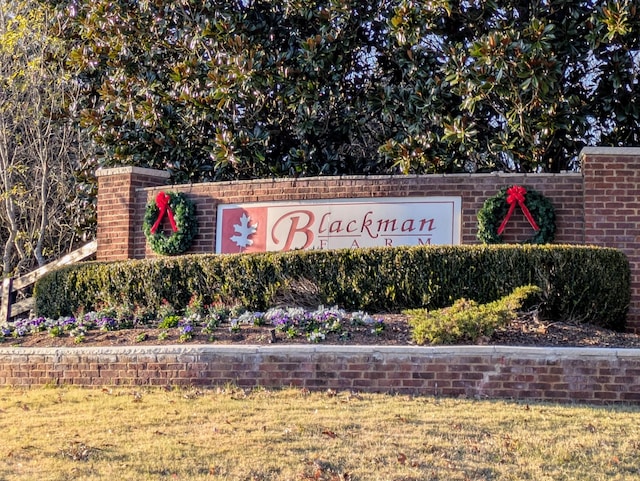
[180,212]
[496,209]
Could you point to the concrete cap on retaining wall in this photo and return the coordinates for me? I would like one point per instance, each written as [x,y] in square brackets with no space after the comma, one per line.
[591,353]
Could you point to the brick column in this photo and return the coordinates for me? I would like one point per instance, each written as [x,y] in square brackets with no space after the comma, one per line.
[117,208]
[612,209]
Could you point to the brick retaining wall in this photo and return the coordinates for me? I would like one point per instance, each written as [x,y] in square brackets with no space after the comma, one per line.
[590,375]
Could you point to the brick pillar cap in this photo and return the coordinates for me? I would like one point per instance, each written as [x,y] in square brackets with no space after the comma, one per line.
[162,174]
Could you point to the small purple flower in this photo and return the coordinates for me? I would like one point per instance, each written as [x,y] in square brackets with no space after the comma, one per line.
[38,324]
[186,329]
[106,324]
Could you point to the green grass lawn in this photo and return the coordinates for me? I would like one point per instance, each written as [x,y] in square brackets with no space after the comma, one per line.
[231,434]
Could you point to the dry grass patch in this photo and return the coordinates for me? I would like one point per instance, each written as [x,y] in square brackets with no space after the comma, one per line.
[232,434]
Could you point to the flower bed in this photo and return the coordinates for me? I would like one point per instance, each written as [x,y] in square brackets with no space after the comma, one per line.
[199,325]
[393,329]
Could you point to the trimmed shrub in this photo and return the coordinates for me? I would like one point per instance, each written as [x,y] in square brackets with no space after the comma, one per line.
[466,320]
[578,283]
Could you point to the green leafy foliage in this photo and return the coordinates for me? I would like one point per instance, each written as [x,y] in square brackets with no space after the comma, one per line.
[228,89]
[466,320]
[583,284]
[169,322]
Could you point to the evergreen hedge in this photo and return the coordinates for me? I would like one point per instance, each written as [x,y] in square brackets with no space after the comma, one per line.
[582,284]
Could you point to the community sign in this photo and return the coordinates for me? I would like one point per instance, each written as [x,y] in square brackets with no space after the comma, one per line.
[338,223]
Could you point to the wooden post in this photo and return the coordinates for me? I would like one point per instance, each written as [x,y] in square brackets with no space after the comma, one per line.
[5,299]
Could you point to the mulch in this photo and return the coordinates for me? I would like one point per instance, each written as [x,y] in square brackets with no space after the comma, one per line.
[527,330]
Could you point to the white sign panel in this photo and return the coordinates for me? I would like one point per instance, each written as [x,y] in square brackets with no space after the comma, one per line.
[338,223]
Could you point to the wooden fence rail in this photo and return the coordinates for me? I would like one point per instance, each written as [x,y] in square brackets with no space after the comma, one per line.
[10,285]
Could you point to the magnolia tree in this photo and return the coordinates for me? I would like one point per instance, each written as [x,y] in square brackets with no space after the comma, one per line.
[225,89]
[46,201]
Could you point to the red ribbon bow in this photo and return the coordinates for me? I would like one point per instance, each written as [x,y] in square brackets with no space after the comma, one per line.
[162,202]
[515,196]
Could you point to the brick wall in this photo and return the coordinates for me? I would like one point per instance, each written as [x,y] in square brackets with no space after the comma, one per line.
[612,209]
[600,206]
[564,190]
[551,374]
